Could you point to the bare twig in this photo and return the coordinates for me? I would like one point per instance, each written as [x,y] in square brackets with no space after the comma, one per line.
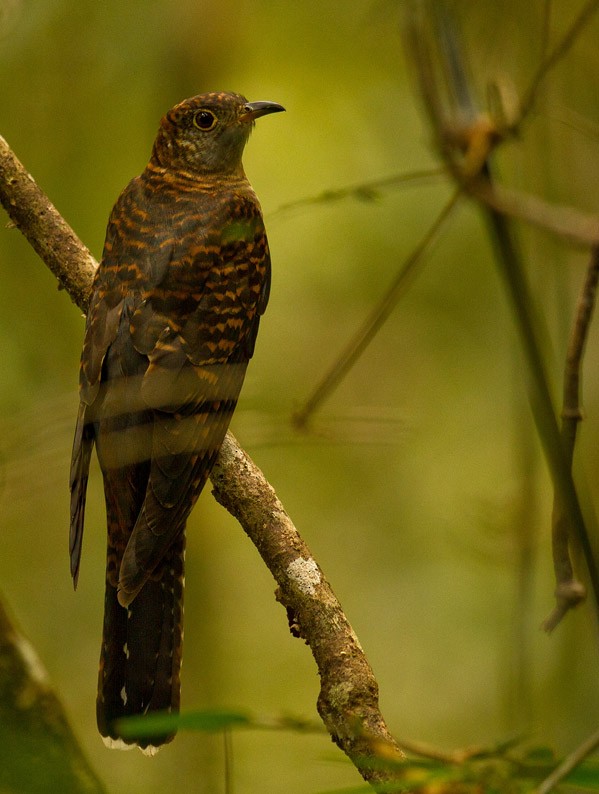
[348,700]
[568,223]
[476,136]
[572,410]
[544,413]
[569,763]
[569,592]
[448,757]
[555,55]
[468,158]
[364,191]
[365,334]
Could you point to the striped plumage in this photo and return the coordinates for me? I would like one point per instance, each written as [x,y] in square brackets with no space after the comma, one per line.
[171,326]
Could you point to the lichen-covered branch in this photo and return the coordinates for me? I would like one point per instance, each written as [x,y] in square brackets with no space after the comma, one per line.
[348,700]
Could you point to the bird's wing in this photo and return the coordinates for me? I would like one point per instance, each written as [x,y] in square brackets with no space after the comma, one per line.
[82,449]
[195,373]
[101,387]
[102,324]
[124,271]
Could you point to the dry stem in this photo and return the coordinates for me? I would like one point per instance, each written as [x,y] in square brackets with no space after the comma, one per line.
[466,139]
[569,592]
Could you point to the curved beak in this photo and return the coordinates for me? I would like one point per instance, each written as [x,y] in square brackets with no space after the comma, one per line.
[254,110]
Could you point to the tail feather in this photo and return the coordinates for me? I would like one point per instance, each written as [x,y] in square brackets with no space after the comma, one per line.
[140,661]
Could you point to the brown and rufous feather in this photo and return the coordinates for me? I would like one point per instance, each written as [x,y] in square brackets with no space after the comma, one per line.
[172,324]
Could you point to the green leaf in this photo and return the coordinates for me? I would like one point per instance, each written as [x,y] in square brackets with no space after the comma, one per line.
[209,721]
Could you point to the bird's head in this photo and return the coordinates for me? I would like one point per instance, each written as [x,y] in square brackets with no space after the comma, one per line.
[207,133]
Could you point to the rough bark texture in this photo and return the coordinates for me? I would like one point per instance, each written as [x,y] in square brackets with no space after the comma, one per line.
[348,699]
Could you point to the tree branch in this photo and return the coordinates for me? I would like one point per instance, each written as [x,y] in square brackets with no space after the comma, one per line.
[348,699]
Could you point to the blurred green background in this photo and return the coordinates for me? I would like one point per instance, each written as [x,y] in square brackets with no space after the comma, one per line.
[421,492]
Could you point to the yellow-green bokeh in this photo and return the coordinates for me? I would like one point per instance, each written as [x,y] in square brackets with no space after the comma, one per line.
[425,481]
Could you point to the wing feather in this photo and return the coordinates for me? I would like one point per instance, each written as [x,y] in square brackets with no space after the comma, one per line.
[167,344]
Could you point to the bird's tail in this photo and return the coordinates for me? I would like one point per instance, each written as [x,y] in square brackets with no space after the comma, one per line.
[140,660]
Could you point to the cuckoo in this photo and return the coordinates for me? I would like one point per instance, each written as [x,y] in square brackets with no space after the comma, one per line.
[171,326]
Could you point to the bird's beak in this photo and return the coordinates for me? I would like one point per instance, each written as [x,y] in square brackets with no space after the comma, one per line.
[254,110]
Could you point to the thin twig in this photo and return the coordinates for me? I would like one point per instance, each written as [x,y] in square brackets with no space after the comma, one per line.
[544,413]
[456,152]
[569,223]
[569,592]
[448,757]
[569,764]
[564,221]
[365,334]
[363,191]
[572,410]
[348,700]
[555,55]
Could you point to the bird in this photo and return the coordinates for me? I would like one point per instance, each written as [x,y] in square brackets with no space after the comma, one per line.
[171,326]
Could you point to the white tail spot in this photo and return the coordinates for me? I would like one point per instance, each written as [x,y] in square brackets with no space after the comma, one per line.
[116,744]
[150,750]
[119,744]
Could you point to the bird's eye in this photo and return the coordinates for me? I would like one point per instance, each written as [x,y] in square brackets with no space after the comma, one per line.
[204,120]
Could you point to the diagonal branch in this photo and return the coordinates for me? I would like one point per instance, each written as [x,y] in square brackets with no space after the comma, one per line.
[348,700]
[569,763]
[375,320]
[555,55]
